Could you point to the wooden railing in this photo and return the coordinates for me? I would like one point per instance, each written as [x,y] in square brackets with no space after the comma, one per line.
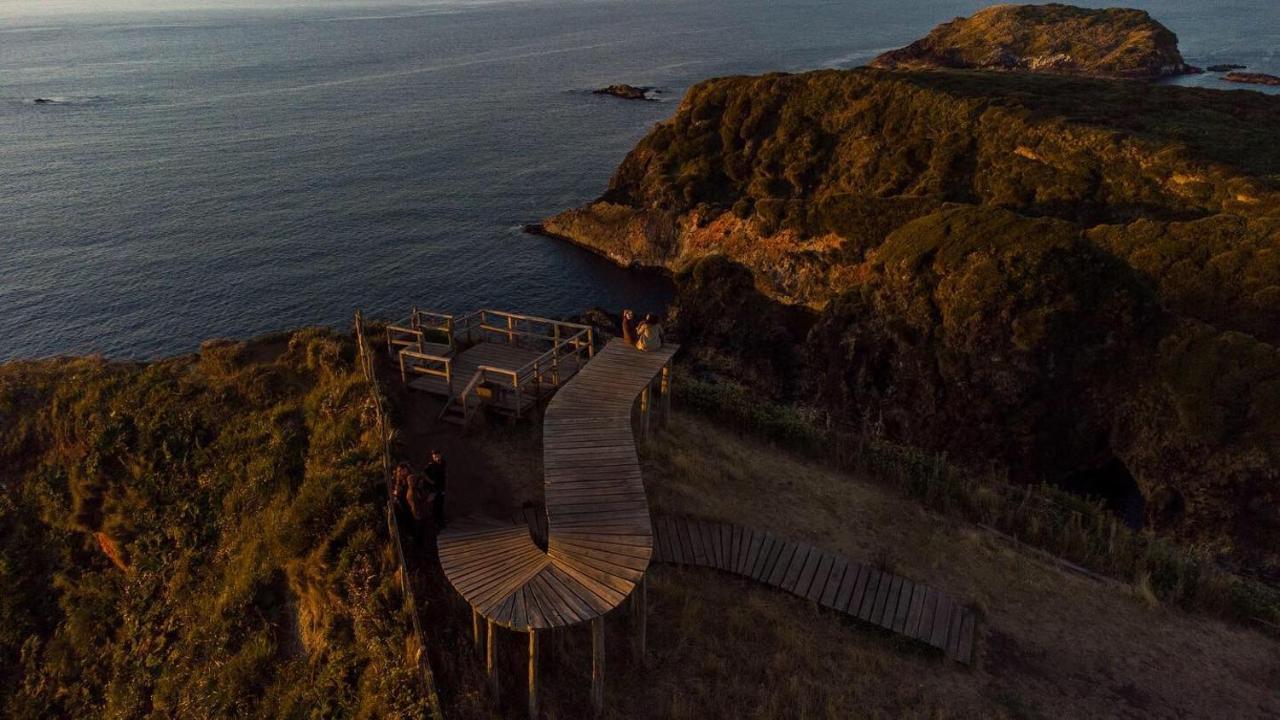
[421,662]
[419,363]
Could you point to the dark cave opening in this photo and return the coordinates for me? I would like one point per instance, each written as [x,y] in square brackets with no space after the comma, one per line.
[1115,486]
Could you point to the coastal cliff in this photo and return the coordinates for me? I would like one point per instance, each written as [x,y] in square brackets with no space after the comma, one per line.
[1062,277]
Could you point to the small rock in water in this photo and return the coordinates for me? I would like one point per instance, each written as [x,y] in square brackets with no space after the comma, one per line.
[626,92]
[43,101]
[1252,78]
[1227,67]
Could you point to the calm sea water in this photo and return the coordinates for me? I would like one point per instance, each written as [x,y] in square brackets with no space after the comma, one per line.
[227,171]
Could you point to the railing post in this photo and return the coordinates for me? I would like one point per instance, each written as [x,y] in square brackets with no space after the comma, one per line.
[533,675]
[597,664]
[491,660]
[666,392]
[511,336]
[591,343]
[645,403]
[475,627]
[640,617]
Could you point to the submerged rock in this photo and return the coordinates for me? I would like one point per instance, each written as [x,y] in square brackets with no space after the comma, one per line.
[1113,43]
[1226,67]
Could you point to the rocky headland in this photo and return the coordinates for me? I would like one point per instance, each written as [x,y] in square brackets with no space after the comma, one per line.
[1061,277]
[1113,42]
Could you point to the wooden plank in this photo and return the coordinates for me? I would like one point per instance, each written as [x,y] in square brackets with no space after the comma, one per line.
[709,542]
[953,632]
[792,583]
[855,573]
[783,566]
[964,653]
[818,582]
[941,623]
[726,546]
[927,613]
[898,620]
[868,599]
[827,598]
[717,545]
[662,550]
[735,548]
[676,541]
[768,558]
[697,542]
[913,614]
[891,587]
[754,542]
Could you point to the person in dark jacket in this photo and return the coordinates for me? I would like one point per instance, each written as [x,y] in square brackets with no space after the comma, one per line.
[437,475]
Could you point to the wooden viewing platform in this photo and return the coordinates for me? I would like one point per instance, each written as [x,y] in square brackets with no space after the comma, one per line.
[487,359]
[599,538]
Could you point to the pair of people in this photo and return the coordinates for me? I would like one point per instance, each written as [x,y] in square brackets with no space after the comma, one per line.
[417,498]
[647,335]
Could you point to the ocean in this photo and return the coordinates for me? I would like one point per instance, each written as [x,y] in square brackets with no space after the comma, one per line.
[226,169]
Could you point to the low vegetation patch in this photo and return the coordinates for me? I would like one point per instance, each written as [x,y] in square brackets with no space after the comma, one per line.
[1078,529]
[197,537]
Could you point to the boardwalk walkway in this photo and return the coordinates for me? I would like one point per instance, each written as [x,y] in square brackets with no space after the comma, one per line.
[831,580]
[892,602]
[599,536]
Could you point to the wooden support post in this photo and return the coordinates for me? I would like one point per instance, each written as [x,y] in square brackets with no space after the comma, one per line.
[491,660]
[511,335]
[475,627]
[666,392]
[591,343]
[646,400]
[533,674]
[640,617]
[597,665]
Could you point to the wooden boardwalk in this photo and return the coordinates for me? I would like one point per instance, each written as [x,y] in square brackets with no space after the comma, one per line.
[860,591]
[833,581]
[599,538]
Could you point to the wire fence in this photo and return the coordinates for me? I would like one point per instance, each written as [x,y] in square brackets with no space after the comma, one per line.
[420,659]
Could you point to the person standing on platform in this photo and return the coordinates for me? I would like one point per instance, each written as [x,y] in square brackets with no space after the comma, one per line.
[416,499]
[629,327]
[437,475]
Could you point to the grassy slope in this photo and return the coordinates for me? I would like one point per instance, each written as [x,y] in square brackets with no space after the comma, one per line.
[237,492]
[1054,644]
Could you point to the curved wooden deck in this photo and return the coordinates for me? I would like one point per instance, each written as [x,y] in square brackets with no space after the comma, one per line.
[599,538]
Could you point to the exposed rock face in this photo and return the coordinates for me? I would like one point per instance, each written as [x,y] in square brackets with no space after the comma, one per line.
[1252,78]
[1049,274]
[1114,43]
